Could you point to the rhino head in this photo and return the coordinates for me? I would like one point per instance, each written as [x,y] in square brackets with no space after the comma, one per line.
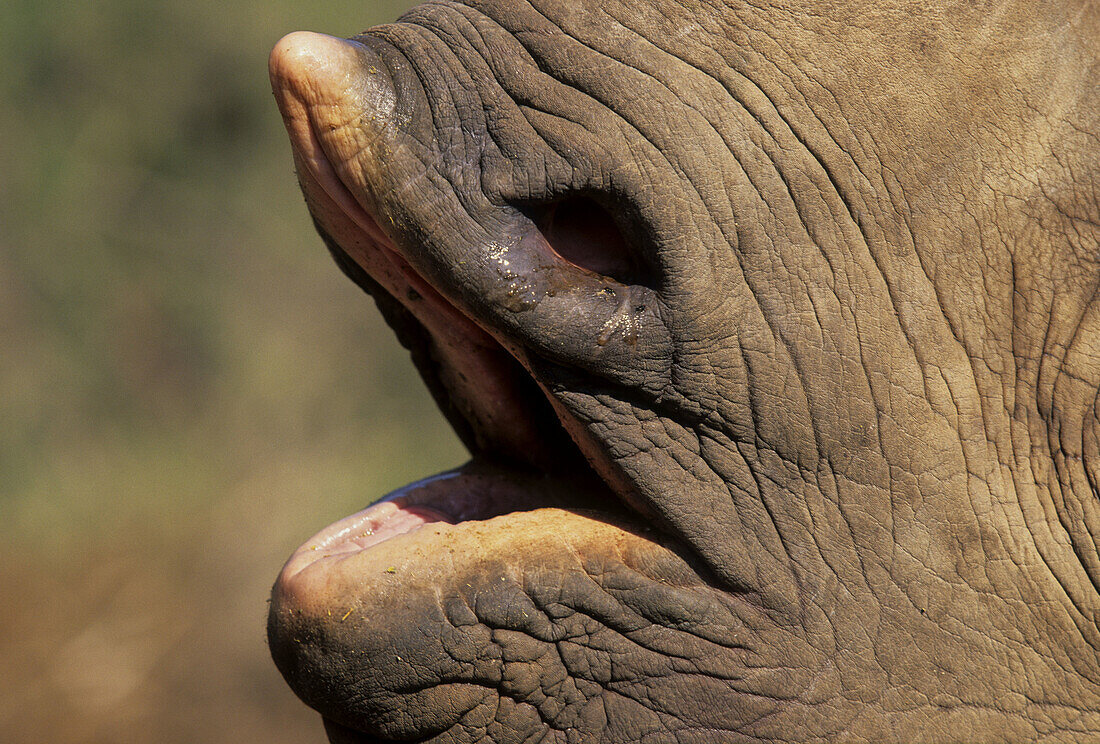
[773,330]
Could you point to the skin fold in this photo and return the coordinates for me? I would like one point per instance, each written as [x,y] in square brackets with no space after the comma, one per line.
[774,331]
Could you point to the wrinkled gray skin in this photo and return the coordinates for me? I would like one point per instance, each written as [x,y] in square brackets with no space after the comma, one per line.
[830,342]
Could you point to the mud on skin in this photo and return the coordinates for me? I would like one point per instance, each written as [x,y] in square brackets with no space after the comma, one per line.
[773,332]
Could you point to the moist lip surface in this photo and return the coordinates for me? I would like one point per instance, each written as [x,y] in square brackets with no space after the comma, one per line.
[478,491]
[360,531]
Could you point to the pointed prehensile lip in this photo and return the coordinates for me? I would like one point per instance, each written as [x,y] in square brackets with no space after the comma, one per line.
[336,99]
[317,69]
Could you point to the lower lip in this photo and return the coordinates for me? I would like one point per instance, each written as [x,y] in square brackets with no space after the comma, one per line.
[362,530]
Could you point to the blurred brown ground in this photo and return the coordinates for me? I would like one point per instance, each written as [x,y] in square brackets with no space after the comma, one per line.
[188,386]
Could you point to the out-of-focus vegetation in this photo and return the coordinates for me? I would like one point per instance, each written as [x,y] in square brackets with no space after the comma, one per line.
[188,386]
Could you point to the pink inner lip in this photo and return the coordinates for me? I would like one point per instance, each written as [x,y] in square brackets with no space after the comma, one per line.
[362,530]
[477,491]
[371,526]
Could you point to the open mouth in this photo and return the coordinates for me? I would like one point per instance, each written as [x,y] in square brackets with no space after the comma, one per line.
[517,434]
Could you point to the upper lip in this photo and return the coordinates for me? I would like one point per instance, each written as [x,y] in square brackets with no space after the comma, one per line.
[503,412]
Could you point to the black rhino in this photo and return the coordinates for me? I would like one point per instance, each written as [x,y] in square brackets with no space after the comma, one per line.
[773,329]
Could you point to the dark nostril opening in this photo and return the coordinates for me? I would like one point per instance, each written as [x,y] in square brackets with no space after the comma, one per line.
[583,232]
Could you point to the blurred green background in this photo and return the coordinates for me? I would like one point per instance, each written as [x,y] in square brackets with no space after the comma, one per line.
[188,387]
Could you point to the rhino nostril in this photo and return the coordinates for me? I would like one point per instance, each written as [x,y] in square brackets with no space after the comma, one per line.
[584,233]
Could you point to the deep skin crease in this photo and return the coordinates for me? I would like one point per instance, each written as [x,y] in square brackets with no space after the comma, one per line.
[839,381]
